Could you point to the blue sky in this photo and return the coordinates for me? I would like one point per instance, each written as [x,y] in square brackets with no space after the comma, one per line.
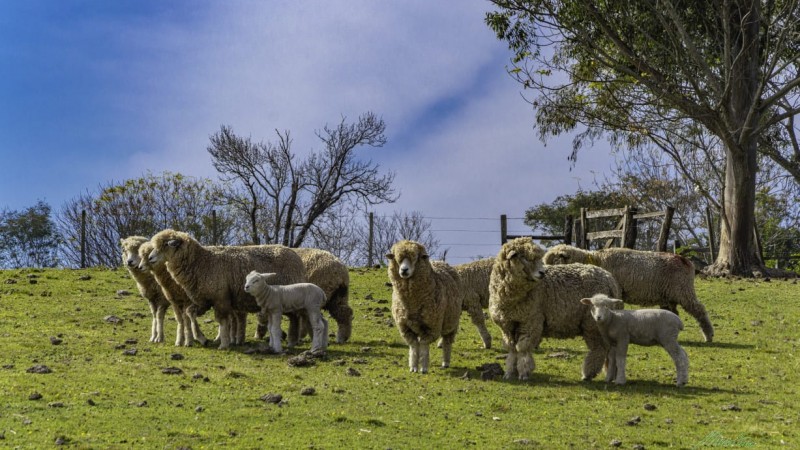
[97,91]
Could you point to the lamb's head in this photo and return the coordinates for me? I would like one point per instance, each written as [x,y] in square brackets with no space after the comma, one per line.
[255,283]
[406,258]
[130,250]
[167,244]
[520,262]
[144,257]
[601,307]
[565,254]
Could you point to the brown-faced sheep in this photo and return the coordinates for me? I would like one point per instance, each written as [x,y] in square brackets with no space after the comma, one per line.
[147,285]
[426,302]
[188,329]
[529,300]
[329,273]
[474,278]
[215,276]
[646,278]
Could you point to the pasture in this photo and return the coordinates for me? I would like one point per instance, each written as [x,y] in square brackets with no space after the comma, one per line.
[108,387]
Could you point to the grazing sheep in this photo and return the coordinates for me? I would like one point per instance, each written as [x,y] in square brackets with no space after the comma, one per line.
[642,327]
[275,300]
[646,278]
[147,285]
[215,276]
[474,278]
[188,329]
[329,273]
[426,302]
[529,300]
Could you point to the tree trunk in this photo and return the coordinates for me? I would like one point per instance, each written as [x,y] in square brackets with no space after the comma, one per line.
[738,250]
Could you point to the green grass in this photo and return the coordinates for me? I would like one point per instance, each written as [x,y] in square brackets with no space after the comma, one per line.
[742,392]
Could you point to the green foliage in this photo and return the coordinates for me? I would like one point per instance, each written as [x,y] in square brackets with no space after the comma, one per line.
[28,238]
[549,218]
[742,387]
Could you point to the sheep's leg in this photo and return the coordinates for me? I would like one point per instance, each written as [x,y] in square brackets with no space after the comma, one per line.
[275,331]
[177,311]
[161,312]
[188,331]
[681,360]
[476,316]
[596,358]
[241,329]
[611,370]
[294,330]
[424,351]
[319,328]
[224,335]
[529,336]
[621,356]
[263,326]
[413,347]
[191,314]
[154,322]
[698,311]
[511,345]
[447,349]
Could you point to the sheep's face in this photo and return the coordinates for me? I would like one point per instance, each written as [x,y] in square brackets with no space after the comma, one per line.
[559,254]
[526,265]
[165,247]
[144,257]
[256,283]
[403,259]
[130,251]
[602,306]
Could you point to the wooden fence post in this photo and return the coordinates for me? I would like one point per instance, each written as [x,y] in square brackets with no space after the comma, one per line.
[83,239]
[568,230]
[629,228]
[580,239]
[503,229]
[663,236]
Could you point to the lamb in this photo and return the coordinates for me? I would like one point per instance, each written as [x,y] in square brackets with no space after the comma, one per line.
[646,278]
[529,300]
[188,330]
[329,273]
[275,300]
[146,284]
[214,276]
[474,278]
[426,302]
[642,327]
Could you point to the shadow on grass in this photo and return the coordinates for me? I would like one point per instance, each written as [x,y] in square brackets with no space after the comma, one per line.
[725,345]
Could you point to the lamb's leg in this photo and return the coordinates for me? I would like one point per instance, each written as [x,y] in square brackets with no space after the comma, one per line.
[621,356]
[263,326]
[696,309]
[476,316]
[154,322]
[319,330]
[275,331]
[611,370]
[160,314]
[681,360]
[294,330]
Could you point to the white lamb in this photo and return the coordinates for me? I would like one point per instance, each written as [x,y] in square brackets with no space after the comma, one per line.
[642,327]
[275,300]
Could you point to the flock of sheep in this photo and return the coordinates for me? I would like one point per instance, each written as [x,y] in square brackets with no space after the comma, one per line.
[530,294]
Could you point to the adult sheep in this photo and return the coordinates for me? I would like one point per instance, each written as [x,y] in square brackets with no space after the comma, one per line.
[529,300]
[426,302]
[188,329]
[474,278]
[329,273]
[146,284]
[646,278]
[215,275]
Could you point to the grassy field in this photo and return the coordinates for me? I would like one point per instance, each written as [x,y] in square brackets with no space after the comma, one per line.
[108,387]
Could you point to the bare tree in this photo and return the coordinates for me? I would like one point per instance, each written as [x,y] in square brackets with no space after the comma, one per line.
[293,195]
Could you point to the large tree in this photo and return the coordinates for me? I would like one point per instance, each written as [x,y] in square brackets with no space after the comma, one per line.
[28,238]
[293,195]
[644,69]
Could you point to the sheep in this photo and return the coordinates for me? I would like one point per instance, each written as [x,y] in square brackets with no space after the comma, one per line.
[329,273]
[474,278]
[146,284]
[646,278]
[275,300]
[426,302]
[642,327]
[188,329]
[529,300]
[215,276]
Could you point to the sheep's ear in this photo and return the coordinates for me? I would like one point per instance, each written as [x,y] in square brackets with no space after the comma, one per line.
[423,256]
[390,256]
[174,243]
[586,301]
[617,303]
[511,254]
